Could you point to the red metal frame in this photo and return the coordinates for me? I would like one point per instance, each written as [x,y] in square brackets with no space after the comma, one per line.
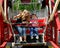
[5,36]
[25,1]
[49,32]
[53,44]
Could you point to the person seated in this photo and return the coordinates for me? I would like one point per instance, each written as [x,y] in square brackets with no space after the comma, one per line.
[34,29]
[23,17]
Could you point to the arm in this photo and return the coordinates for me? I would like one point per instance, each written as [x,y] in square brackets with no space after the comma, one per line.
[18,16]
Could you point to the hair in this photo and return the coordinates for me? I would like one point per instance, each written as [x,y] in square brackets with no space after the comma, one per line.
[34,15]
[22,14]
[26,15]
[26,11]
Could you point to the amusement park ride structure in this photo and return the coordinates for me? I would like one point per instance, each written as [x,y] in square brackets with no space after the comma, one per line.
[52,27]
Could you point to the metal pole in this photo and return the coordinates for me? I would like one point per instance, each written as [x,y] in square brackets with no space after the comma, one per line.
[5,9]
[54,10]
[50,6]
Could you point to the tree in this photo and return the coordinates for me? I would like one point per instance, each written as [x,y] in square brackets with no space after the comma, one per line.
[58,6]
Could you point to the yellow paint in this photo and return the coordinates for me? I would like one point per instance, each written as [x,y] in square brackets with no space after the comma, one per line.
[50,47]
[7,46]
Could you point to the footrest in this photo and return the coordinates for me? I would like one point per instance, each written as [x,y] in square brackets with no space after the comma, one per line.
[23,42]
[28,44]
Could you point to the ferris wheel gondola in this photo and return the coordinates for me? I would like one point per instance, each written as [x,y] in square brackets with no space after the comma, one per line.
[47,31]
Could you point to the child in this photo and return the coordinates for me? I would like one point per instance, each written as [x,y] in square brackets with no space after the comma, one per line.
[22,19]
[34,29]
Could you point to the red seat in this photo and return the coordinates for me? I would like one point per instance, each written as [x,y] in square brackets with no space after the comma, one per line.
[40,31]
[28,31]
[41,23]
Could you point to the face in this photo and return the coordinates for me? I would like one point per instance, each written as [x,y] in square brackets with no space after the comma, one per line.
[34,17]
[27,14]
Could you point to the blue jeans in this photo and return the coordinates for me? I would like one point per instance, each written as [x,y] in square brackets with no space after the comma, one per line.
[21,30]
[33,31]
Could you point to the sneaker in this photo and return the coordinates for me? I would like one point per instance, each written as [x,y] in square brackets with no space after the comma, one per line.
[37,37]
[31,37]
[20,39]
[25,41]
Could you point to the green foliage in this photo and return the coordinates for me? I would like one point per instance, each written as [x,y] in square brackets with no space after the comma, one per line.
[58,5]
[18,6]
